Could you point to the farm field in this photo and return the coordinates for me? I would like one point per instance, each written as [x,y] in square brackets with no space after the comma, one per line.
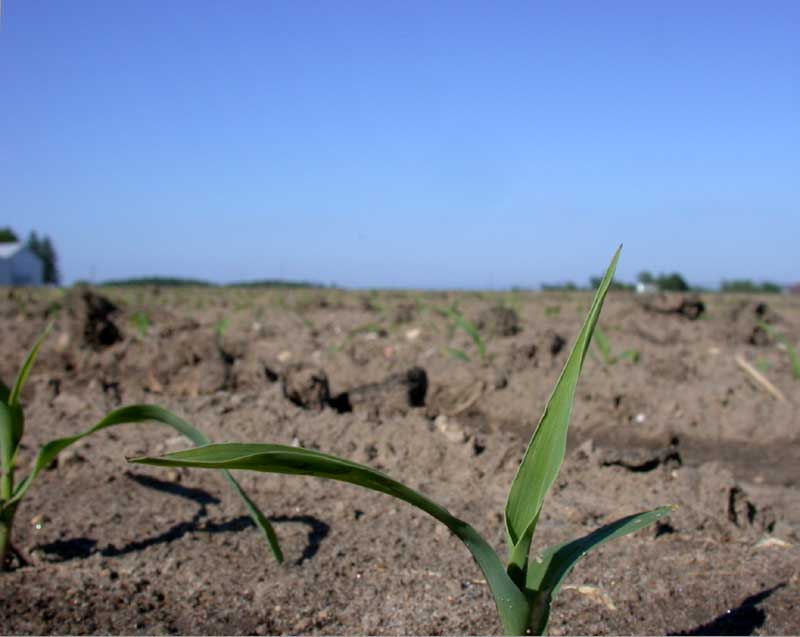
[668,411]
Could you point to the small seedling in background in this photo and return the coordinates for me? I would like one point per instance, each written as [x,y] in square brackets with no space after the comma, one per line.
[552,310]
[12,428]
[221,328]
[763,365]
[794,359]
[459,322]
[142,323]
[458,354]
[604,347]
[523,588]
[367,328]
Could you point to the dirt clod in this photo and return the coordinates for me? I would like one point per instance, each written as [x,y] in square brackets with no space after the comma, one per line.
[93,313]
[306,387]
[499,321]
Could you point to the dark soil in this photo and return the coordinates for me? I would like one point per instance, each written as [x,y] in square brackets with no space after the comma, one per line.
[126,549]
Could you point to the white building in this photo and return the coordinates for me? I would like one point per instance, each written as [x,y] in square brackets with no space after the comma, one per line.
[646,288]
[20,265]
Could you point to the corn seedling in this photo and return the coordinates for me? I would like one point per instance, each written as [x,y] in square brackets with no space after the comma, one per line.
[221,328]
[525,586]
[604,347]
[459,322]
[142,323]
[12,428]
[794,359]
[763,365]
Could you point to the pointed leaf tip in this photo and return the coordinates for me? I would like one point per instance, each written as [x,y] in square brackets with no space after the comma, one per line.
[546,449]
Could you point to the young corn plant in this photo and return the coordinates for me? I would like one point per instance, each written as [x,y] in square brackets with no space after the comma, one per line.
[794,358]
[525,585]
[604,347]
[142,323]
[460,322]
[12,429]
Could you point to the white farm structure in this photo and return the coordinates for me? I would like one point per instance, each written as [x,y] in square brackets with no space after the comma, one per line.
[20,265]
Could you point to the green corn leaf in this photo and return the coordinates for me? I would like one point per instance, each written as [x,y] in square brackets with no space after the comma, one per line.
[17,417]
[140,414]
[458,354]
[546,449]
[470,330]
[511,603]
[16,390]
[794,358]
[547,570]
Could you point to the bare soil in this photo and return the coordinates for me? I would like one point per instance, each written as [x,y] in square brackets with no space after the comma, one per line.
[381,378]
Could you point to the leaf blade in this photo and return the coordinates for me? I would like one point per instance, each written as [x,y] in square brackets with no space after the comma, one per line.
[511,603]
[547,446]
[17,422]
[22,376]
[134,414]
[547,570]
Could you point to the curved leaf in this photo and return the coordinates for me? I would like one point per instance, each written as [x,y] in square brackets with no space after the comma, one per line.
[138,414]
[546,449]
[470,329]
[511,603]
[547,570]
[17,417]
[22,376]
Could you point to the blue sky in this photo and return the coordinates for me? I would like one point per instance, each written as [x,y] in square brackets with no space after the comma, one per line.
[412,144]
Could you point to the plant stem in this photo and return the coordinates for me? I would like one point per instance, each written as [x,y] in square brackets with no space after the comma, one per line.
[6,521]
[7,514]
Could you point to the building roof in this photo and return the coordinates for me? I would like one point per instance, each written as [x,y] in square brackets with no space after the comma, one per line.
[8,250]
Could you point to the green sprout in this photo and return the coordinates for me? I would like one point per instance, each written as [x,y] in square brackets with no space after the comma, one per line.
[460,322]
[142,323]
[605,350]
[794,359]
[221,328]
[12,428]
[525,586]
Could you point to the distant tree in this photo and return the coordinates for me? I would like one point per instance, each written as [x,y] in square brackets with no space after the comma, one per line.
[672,283]
[43,248]
[645,277]
[569,286]
[594,283]
[748,286]
[163,281]
[7,235]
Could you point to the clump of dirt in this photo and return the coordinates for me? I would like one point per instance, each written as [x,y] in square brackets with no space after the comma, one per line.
[688,306]
[499,321]
[306,387]
[405,313]
[392,396]
[92,315]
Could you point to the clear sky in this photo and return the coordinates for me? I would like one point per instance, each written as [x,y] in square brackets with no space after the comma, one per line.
[412,144]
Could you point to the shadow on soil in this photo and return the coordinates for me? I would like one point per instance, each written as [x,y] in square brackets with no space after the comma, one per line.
[83,547]
[742,620]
